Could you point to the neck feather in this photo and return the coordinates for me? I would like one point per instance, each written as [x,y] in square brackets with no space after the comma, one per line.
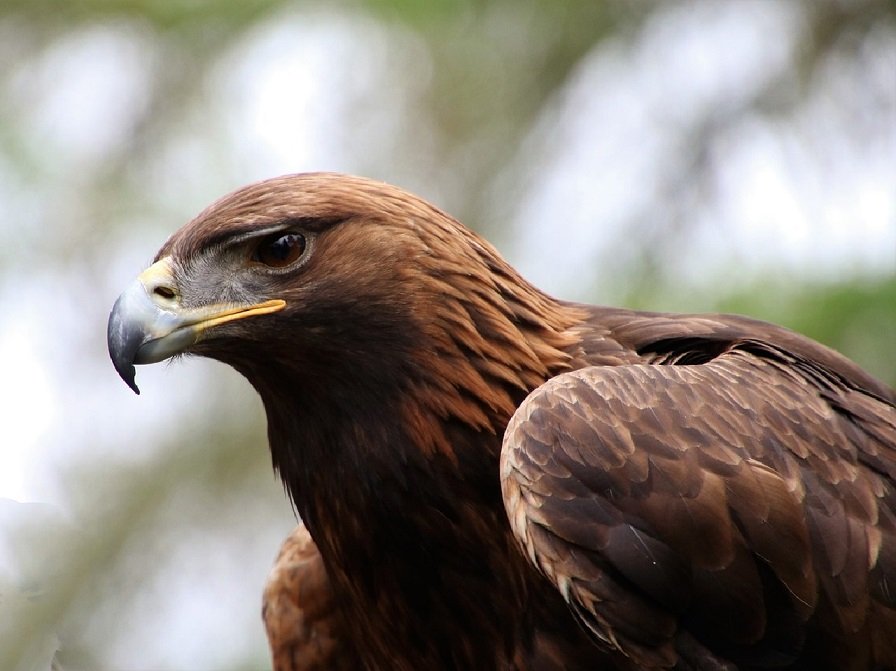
[392,459]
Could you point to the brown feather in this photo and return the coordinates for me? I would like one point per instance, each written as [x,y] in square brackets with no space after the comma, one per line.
[304,624]
[766,561]
[697,491]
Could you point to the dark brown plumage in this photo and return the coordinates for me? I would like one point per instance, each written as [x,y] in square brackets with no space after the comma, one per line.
[681,491]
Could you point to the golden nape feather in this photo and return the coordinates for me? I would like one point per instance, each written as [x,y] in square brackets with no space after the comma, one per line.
[490,478]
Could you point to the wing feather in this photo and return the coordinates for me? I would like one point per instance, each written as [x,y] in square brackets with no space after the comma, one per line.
[727,509]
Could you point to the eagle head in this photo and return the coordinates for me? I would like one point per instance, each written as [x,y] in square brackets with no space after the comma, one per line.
[302,270]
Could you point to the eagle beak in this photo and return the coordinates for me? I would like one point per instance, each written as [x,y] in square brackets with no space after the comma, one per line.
[148,323]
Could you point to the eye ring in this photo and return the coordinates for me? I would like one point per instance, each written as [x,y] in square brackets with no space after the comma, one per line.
[280,250]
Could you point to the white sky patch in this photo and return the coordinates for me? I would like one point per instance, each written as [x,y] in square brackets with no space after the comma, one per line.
[804,195]
[781,211]
[278,83]
[322,91]
[198,589]
[285,89]
[29,404]
[84,93]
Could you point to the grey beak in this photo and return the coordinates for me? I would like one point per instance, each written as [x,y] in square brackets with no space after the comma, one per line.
[148,323]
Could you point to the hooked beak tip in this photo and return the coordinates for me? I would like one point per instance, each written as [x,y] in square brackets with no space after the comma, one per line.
[123,343]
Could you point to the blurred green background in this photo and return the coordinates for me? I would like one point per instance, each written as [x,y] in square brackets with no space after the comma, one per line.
[688,156]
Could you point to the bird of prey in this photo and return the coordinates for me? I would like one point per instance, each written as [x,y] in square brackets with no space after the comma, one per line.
[495,479]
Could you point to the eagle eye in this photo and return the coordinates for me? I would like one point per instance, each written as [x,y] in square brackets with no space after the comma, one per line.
[280,250]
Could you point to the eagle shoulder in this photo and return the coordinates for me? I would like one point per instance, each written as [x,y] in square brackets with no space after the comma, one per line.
[735,508]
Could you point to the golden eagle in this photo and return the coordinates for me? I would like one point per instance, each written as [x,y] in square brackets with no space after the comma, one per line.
[495,479]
